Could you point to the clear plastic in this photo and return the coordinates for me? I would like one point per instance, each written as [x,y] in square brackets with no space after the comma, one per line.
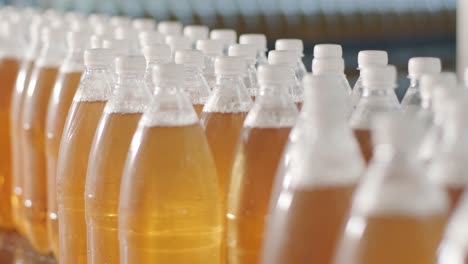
[196,87]
[77,137]
[169,210]
[260,146]
[33,132]
[318,172]
[107,157]
[155,54]
[395,206]
[210,56]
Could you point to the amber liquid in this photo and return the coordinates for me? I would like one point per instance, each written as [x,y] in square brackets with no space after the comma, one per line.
[198,109]
[311,225]
[454,194]
[16,125]
[255,165]
[35,173]
[59,104]
[169,206]
[365,143]
[107,159]
[9,68]
[72,166]
[398,239]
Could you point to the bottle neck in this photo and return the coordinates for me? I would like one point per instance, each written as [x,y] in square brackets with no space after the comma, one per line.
[228,80]
[377,91]
[414,82]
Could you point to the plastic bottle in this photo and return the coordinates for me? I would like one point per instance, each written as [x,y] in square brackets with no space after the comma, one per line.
[417,67]
[378,96]
[226,36]
[148,38]
[261,144]
[170,28]
[119,47]
[289,59]
[169,208]
[82,120]
[117,21]
[155,54]
[195,84]
[330,56]
[35,106]
[178,43]
[260,41]
[248,53]
[66,84]
[144,24]
[107,157]
[196,33]
[367,58]
[297,46]
[130,35]
[211,49]
[397,215]
[16,123]
[316,186]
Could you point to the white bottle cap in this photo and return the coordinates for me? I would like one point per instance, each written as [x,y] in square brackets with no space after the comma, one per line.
[168,73]
[283,57]
[189,57]
[170,28]
[368,58]
[150,37]
[196,32]
[103,30]
[328,51]
[423,65]
[120,21]
[227,36]
[210,46]
[144,24]
[230,66]
[259,40]
[77,39]
[97,19]
[125,32]
[130,64]
[332,65]
[96,41]
[157,52]
[290,44]
[98,57]
[273,74]
[118,46]
[246,51]
[178,42]
[382,77]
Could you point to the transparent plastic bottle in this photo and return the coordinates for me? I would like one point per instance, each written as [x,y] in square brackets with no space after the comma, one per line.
[82,120]
[170,28]
[155,54]
[196,33]
[178,43]
[195,84]
[397,215]
[169,208]
[119,47]
[367,58]
[66,84]
[211,49]
[259,41]
[315,188]
[417,67]
[327,55]
[10,61]
[148,38]
[261,144]
[248,53]
[117,21]
[226,36]
[16,125]
[447,168]
[107,157]
[33,132]
[289,59]
[144,24]
[378,96]
[130,35]
[297,46]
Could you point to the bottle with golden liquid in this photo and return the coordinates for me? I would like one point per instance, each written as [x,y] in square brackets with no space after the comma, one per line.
[155,54]
[211,49]
[10,60]
[397,215]
[261,144]
[249,53]
[107,157]
[289,59]
[77,137]
[223,117]
[378,96]
[312,192]
[169,208]
[68,80]
[16,124]
[367,58]
[35,106]
[195,84]
[260,42]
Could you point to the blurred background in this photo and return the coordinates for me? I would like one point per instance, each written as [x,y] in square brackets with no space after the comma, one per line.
[405,28]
